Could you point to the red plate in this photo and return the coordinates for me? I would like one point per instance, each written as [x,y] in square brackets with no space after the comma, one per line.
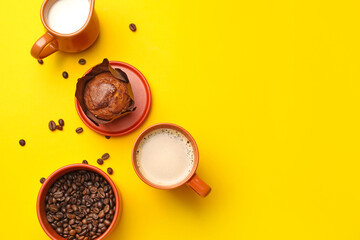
[132,121]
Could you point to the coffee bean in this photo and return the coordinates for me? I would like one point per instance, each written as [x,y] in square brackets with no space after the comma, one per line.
[61,122]
[90,226]
[101,193]
[78,229]
[58,127]
[101,214]
[107,137]
[105,156]
[100,204]
[79,130]
[93,189]
[52,125]
[95,210]
[54,189]
[65,74]
[85,162]
[53,208]
[40,61]
[110,170]
[58,194]
[50,218]
[82,61]
[59,215]
[100,161]
[59,230]
[101,225]
[74,208]
[106,208]
[107,222]
[132,27]
[42,180]
[22,142]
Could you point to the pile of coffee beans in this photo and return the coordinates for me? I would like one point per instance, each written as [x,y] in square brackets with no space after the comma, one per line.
[80,205]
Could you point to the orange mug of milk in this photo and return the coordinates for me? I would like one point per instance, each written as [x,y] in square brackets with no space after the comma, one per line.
[165,156]
[71,26]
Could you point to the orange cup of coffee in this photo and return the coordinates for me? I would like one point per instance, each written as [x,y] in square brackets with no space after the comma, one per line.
[71,26]
[165,156]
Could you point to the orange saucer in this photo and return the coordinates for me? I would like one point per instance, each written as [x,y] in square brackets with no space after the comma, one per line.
[132,121]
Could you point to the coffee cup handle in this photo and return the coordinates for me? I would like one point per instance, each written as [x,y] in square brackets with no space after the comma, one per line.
[44,46]
[199,186]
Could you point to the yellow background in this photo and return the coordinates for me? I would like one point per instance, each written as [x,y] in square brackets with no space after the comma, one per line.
[269,90]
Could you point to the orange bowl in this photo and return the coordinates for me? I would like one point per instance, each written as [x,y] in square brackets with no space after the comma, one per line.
[40,204]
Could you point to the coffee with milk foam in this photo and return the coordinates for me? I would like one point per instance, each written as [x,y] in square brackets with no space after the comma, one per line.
[68,16]
[165,157]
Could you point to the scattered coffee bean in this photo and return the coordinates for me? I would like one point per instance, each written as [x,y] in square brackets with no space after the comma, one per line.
[107,137]
[80,205]
[40,61]
[110,170]
[82,61]
[22,142]
[105,156]
[58,127]
[132,27]
[79,130]
[85,162]
[61,122]
[52,125]
[100,161]
[42,180]
[65,74]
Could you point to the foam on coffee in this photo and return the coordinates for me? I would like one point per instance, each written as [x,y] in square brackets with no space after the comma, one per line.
[165,157]
[68,16]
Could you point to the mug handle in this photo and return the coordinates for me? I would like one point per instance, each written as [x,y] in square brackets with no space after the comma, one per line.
[199,186]
[44,46]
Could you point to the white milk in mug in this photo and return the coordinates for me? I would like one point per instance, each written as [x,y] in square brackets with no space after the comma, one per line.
[165,157]
[68,16]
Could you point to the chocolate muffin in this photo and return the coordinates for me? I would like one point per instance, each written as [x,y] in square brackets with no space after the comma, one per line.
[106,97]
[105,94]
